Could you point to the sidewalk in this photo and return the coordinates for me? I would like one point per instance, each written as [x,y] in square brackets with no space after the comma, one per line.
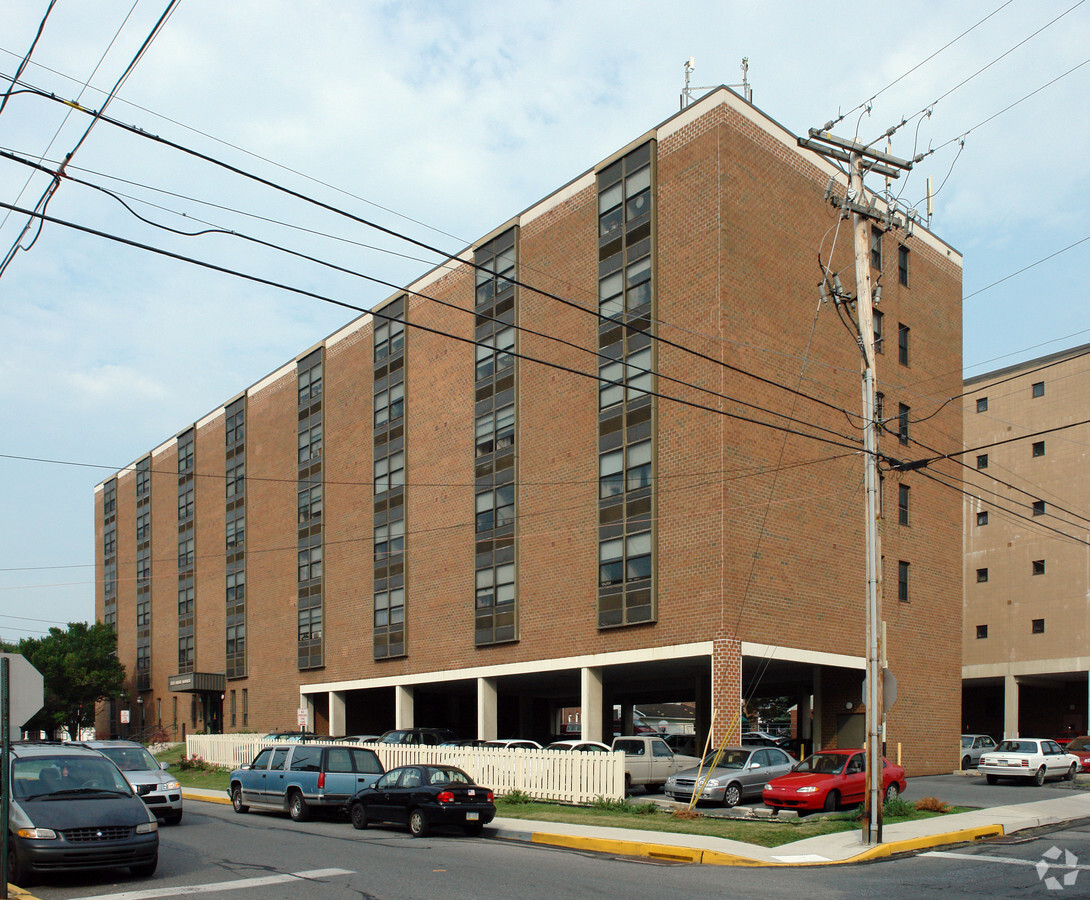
[829,849]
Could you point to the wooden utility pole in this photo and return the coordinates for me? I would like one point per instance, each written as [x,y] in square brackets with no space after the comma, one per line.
[862,159]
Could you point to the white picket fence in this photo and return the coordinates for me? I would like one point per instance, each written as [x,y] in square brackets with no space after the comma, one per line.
[542,774]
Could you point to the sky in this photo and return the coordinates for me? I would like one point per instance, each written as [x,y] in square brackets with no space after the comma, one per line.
[442,120]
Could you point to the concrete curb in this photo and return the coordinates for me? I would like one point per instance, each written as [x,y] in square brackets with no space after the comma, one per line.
[206,797]
[651,850]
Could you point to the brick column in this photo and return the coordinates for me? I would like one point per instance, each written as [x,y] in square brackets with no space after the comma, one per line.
[726,690]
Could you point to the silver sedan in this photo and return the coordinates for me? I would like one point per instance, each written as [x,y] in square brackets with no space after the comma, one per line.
[730,775]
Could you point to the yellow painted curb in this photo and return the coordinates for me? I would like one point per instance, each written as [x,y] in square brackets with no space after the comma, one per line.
[718,858]
[204,798]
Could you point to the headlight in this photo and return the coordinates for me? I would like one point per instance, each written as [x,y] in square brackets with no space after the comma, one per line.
[713,782]
[171,786]
[38,834]
[147,827]
[807,790]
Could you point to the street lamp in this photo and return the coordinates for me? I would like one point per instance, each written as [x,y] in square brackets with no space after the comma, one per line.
[140,707]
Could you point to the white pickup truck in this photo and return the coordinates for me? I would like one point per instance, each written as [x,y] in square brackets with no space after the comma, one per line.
[648,760]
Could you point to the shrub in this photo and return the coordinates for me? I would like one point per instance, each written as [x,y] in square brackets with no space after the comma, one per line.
[932,804]
[898,807]
[517,798]
[195,763]
[686,814]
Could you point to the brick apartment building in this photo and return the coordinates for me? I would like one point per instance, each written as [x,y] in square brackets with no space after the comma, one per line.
[1026,630]
[597,459]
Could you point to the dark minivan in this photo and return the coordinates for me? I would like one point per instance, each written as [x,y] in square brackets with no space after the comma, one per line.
[73,810]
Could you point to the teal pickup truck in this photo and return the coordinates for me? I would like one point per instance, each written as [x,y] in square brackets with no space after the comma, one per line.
[295,778]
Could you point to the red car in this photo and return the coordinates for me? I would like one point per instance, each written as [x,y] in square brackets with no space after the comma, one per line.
[828,779]
[1080,747]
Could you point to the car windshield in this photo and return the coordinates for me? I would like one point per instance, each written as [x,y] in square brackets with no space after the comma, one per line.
[131,759]
[827,763]
[1017,747]
[1080,743]
[730,759]
[38,777]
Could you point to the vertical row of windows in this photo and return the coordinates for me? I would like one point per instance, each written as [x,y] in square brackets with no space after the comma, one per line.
[109,553]
[186,550]
[389,482]
[143,574]
[496,308]
[626,413]
[235,516]
[310,608]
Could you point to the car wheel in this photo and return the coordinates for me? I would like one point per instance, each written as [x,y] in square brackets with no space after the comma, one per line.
[832,801]
[732,795]
[18,871]
[236,799]
[176,817]
[993,779]
[1039,776]
[358,814]
[145,870]
[297,807]
[966,763]
[892,793]
[1070,776]
[418,823]
[474,829]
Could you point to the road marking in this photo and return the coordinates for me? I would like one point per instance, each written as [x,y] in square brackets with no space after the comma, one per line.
[238,885]
[1004,860]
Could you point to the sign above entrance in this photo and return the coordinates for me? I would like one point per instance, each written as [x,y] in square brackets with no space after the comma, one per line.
[198,682]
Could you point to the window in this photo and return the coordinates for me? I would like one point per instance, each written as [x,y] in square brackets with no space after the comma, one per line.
[390,404]
[235,479]
[496,508]
[310,503]
[880,410]
[625,559]
[1038,507]
[236,587]
[185,553]
[902,344]
[902,504]
[1038,626]
[902,265]
[389,539]
[495,604]
[310,563]
[982,404]
[982,461]
[235,431]
[310,384]
[878,331]
[185,504]
[902,423]
[902,581]
[1038,448]
[185,452]
[185,602]
[982,517]
[389,472]
[876,249]
[495,353]
[389,339]
[495,430]
[1038,567]
[1039,389]
[310,443]
[245,707]
[236,532]
[981,575]
[981,632]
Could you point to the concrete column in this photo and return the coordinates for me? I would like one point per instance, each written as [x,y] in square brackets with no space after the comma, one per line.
[526,716]
[1010,706]
[590,692]
[403,706]
[336,714]
[802,717]
[628,723]
[816,736]
[486,709]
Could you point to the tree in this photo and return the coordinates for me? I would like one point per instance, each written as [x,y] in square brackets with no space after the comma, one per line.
[80,668]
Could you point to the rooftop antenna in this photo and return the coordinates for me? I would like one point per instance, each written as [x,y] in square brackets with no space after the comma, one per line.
[687,91]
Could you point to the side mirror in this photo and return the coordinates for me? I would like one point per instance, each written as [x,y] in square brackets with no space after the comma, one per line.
[164,765]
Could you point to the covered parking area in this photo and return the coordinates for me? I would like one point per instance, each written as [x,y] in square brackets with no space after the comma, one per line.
[527,699]
[1038,698]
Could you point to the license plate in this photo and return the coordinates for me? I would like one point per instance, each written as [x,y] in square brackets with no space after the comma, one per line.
[472,816]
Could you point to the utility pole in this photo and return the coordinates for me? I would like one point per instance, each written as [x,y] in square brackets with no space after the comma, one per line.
[862,159]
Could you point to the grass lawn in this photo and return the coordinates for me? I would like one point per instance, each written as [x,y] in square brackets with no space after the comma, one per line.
[213,779]
[762,832]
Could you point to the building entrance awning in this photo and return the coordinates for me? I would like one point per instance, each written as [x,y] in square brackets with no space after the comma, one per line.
[198,683]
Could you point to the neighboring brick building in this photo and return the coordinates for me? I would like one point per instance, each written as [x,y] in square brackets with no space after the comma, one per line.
[483,504]
[1026,626]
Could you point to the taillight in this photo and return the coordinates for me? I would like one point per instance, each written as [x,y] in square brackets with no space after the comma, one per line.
[445,797]
[1025,762]
[321,780]
[491,796]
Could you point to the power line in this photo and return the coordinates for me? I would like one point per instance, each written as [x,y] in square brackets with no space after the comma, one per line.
[425,328]
[29,53]
[596,313]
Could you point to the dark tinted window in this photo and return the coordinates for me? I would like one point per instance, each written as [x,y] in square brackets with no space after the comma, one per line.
[366,761]
[306,759]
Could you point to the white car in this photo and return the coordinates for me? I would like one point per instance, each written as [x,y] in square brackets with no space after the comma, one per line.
[1034,759]
[512,744]
[581,746]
